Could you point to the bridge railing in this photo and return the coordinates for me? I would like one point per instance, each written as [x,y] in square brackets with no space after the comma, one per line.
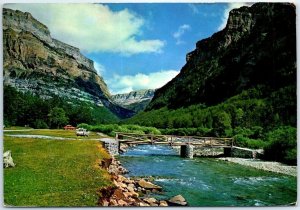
[172,139]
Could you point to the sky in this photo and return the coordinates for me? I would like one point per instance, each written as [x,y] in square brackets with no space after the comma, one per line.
[135,45]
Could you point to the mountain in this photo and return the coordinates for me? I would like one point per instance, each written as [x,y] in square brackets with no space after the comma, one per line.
[135,100]
[240,82]
[256,48]
[37,63]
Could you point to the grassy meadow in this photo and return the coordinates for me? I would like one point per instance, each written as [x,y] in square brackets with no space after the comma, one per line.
[51,132]
[53,172]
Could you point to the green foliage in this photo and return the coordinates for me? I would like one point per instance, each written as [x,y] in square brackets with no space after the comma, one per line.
[40,124]
[110,129]
[26,109]
[57,117]
[251,109]
[222,124]
[187,131]
[255,132]
[243,141]
[282,145]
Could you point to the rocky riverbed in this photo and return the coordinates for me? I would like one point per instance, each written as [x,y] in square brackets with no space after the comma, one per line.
[264,165]
[132,192]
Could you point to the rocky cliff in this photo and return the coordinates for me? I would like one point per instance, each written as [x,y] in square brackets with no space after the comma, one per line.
[256,48]
[35,62]
[135,100]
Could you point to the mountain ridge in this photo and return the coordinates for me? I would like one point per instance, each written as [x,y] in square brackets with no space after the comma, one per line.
[257,47]
[134,100]
[35,62]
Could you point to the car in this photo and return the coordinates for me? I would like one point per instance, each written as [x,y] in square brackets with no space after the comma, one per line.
[82,132]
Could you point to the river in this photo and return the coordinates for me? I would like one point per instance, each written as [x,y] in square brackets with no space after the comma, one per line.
[208,181]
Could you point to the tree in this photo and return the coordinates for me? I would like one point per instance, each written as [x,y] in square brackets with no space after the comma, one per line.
[282,145]
[57,117]
[222,124]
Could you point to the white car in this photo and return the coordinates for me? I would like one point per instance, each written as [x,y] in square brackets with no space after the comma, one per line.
[82,132]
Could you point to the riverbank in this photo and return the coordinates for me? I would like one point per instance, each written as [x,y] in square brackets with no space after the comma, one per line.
[208,182]
[131,192]
[53,173]
[264,165]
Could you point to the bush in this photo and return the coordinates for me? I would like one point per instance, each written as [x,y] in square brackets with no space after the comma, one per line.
[84,125]
[242,141]
[255,132]
[187,131]
[246,132]
[222,124]
[111,129]
[204,131]
[40,124]
[282,145]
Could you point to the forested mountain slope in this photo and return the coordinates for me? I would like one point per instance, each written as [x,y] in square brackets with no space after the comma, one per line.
[257,47]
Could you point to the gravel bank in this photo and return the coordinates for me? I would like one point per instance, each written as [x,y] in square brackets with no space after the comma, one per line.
[264,165]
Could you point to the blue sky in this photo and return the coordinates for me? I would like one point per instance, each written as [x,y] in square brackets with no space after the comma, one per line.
[133,46]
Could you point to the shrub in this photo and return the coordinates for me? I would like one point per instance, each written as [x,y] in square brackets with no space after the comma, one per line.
[84,125]
[40,124]
[111,129]
[242,141]
[204,131]
[222,124]
[282,145]
[246,132]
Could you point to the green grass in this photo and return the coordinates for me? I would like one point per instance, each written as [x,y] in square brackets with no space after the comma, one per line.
[55,133]
[54,172]
[17,128]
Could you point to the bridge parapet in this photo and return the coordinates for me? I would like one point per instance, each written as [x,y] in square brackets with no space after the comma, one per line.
[187,143]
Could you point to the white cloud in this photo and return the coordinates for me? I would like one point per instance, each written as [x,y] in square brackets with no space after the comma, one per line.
[230,7]
[99,68]
[127,83]
[93,27]
[181,30]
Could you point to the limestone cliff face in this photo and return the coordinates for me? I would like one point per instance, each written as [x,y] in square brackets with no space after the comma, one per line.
[133,96]
[35,62]
[257,47]
[135,100]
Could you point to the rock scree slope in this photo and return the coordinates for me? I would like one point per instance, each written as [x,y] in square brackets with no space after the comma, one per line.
[135,100]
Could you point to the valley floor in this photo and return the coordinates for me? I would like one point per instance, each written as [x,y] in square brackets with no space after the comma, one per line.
[51,173]
[264,165]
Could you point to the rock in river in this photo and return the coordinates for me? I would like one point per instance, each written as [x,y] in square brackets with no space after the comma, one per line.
[148,185]
[177,200]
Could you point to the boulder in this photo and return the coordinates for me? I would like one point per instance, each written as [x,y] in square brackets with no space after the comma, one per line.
[153,204]
[131,185]
[121,178]
[118,195]
[105,203]
[134,194]
[178,200]
[129,181]
[163,203]
[127,194]
[148,185]
[8,160]
[143,204]
[122,203]
[113,202]
[130,189]
[150,200]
